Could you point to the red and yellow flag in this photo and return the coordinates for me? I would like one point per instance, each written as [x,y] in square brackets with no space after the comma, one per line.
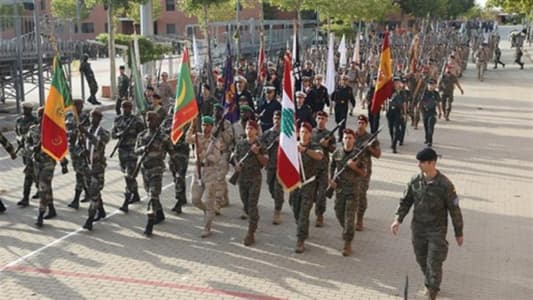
[185,109]
[384,85]
[53,130]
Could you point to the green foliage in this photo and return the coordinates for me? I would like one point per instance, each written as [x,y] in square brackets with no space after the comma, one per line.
[477,12]
[523,7]
[436,8]
[218,10]
[149,50]
[66,9]
[133,11]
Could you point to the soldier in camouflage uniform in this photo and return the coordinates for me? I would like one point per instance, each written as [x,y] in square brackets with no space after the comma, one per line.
[9,148]
[271,139]
[203,189]
[157,107]
[482,58]
[349,186]
[226,137]
[178,163]
[433,196]
[43,167]
[22,126]
[76,147]
[302,199]
[126,127]
[361,138]
[123,89]
[96,140]
[250,157]
[322,136]
[153,166]
[446,86]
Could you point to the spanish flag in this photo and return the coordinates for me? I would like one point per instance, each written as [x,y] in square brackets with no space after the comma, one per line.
[384,85]
[53,130]
[185,108]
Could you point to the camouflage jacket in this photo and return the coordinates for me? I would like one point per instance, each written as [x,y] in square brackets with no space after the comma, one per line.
[22,126]
[7,145]
[96,141]
[360,142]
[73,133]
[317,136]
[271,139]
[157,150]
[33,145]
[251,167]
[126,128]
[346,180]
[309,165]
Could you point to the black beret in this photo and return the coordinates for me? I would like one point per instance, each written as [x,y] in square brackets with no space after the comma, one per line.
[426,154]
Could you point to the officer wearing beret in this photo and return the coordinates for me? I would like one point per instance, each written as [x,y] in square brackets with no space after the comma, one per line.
[433,197]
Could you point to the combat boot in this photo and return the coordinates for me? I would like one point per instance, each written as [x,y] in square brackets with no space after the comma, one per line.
[347,250]
[124,206]
[159,216]
[51,212]
[135,198]
[276,220]
[207,230]
[40,217]
[319,221]
[177,208]
[89,223]
[101,213]
[149,227]
[249,239]
[36,195]
[86,197]
[76,201]
[25,197]
[2,207]
[359,224]
[432,295]
[300,247]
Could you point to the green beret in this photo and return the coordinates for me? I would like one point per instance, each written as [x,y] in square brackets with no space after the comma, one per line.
[208,120]
[245,108]
[218,105]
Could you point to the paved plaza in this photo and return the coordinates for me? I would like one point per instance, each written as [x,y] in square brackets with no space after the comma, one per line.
[486,151]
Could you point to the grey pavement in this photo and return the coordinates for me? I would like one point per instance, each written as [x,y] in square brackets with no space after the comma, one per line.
[486,152]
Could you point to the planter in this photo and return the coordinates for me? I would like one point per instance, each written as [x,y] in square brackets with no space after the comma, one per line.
[106,91]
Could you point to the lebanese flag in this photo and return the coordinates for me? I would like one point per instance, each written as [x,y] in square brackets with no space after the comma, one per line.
[185,109]
[288,167]
[53,129]
[384,86]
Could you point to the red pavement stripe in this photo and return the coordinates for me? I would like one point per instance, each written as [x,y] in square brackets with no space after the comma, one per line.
[162,284]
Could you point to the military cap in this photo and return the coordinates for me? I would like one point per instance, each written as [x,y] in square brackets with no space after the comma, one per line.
[269,87]
[349,131]
[27,105]
[427,154]
[307,126]
[156,96]
[322,114]
[253,124]
[240,78]
[246,108]
[405,79]
[218,105]
[300,94]
[243,97]
[306,78]
[432,81]
[362,118]
[396,78]
[208,120]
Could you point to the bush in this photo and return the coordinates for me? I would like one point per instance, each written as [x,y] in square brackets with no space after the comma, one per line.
[149,51]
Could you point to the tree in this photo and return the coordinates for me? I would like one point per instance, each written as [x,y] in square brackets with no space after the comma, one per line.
[523,7]
[435,8]
[66,9]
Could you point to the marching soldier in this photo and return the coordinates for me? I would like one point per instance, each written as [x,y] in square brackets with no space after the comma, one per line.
[250,157]
[322,136]
[308,71]
[203,189]
[242,91]
[433,196]
[518,57]
[396,110]
[349,186]
[497,57]
[123,89]
[418,93]
[482,58]
[239,128]
[341,97]
[301,199]
[126,128]
[22,126]
[226,137]
[318,97]
[429,105]
[372,117]
[43,167]
[76,147]
[407,97]
[447,86]
[206,101]
[271,139]
[9,148]
[303,111]
[153,166]
[96,140]
[361,138]
[267,106]
[165,91]
[158,107]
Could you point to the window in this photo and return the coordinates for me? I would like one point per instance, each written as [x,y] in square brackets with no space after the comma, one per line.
[171,5]
[87,27]
[171,28]
[43,4]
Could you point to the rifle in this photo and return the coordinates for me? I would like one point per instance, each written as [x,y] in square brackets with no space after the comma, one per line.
[370,141]
[330,135]
[233,179]
[20,145]
[122,137]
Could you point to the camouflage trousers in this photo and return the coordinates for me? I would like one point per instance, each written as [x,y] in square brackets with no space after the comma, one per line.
[96,184]
[301,201]
[362,202]
[153,180]
[79,164]
[249,189]
[29,176]
[275,189]
[178,166]
[430,251]
[221,184]
[322,185]
[447,104]
[128,162]
[44,173]
[345,208]
[203,193]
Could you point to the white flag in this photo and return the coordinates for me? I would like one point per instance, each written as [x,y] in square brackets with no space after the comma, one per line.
[330,68]
[342,51]
[356,56]
[196,57]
